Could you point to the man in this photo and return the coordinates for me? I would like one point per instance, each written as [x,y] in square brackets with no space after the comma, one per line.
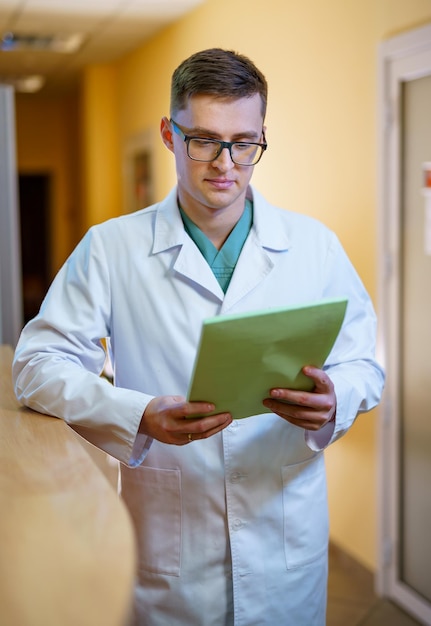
[230,515]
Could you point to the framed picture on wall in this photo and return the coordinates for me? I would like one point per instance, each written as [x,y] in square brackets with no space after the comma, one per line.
[138,177]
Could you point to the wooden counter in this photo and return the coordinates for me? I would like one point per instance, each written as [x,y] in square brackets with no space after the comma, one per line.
[66,541]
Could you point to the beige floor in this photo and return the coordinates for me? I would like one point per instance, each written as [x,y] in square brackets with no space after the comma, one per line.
[351,597]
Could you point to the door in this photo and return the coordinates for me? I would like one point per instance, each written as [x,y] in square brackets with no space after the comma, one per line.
[10,270]
[405,292]
[34,200]
[415,338]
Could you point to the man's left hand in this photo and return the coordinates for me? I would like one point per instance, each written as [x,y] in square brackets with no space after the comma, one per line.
[309,410]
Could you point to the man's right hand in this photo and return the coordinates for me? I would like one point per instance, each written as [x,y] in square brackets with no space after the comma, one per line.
[171,419]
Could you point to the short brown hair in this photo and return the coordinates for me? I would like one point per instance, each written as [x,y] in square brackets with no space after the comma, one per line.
[217,72]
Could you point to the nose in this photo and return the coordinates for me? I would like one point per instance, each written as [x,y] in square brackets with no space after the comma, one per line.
[224,161]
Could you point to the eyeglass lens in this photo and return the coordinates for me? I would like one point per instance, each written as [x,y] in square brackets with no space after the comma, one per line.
[208,150]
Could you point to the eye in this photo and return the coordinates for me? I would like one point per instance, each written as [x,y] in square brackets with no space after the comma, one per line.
[204,142]
[243,146]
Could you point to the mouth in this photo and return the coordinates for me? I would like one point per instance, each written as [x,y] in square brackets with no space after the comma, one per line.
[220,183]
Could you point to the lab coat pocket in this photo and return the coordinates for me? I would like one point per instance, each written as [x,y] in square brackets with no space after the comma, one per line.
[153,497]
[306,527]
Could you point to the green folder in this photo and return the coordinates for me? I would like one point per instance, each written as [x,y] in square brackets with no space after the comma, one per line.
[242,356]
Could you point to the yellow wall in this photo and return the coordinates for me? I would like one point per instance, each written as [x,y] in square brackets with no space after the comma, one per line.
[100,165]
[320,59]
[46,144]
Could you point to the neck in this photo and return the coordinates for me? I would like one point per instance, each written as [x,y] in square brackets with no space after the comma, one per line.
[216,224]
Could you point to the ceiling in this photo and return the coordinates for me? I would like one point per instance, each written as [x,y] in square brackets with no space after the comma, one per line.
[108,29]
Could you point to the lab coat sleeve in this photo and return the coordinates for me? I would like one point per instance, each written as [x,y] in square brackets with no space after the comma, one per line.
[59,358]
[352,366]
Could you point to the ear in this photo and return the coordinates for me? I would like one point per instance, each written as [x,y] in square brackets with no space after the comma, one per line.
[166,133]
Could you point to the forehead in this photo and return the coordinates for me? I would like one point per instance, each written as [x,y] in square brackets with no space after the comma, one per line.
[222,114]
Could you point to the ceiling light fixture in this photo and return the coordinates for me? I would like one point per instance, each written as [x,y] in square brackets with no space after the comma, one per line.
[24,84]
[66,44]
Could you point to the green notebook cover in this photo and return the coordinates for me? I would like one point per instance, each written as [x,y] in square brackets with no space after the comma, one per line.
[241,357]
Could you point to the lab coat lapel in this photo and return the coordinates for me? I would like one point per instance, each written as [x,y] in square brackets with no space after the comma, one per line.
[252,267]
[191,264]
[169,235]
[256,261]
[260,252]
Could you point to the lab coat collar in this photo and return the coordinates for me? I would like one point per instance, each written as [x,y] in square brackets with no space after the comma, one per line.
[267,226]
[169,230]
[267,235]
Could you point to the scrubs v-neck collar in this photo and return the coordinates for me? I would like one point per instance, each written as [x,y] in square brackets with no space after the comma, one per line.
[223,261]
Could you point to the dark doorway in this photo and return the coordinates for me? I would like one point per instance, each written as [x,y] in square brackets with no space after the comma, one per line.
[34,199]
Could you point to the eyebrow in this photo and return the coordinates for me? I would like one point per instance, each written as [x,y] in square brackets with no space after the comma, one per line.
[198,130]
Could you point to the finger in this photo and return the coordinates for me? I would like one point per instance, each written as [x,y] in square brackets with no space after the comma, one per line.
[321,380]
[291,397]
[311,416]
[315,406]
[312,421]
[191,409]
[212,423]
[207,427]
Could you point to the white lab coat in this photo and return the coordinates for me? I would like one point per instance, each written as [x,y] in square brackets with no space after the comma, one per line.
[233,529]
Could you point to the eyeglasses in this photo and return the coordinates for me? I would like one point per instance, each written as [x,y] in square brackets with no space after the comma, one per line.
[207,150]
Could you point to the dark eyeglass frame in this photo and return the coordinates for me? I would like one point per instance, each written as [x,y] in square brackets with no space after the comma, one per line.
[223,144]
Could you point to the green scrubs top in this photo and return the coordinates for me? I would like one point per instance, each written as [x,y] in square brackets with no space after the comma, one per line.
[223,261]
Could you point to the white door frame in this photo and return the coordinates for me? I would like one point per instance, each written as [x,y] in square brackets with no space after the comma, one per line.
[402,58]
